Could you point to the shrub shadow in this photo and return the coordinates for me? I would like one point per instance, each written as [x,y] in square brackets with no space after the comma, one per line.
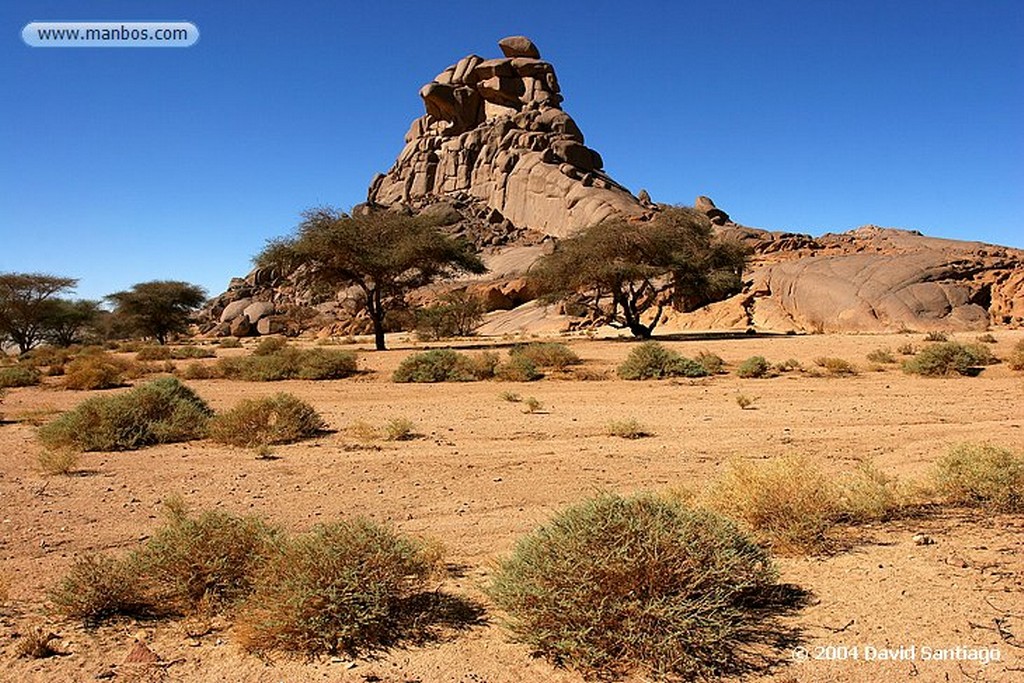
[433,617]
[765,641]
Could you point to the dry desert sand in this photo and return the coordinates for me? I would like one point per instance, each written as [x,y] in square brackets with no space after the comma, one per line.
[484,472]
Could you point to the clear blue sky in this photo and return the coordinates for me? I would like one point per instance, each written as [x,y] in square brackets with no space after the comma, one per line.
[126,165]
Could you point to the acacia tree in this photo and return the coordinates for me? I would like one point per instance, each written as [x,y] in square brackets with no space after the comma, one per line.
[27,304]
[384,254]
[158,308]
[67,319]
[619,270]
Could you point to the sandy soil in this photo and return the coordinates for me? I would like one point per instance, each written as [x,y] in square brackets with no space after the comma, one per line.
[484,472]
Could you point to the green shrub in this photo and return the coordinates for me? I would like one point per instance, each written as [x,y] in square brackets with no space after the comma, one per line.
[445,365]
[546,355]
[754,367]
[18,376]
[341,588]
[229,343]
[615,586]
[192,352]
[99,587]
[162,411]
[949,358]
[321,364]
[281,418]
[268,346]
[518,368]
[982,475]
[289,363]
[455,314]
[651,360]
[1016,358]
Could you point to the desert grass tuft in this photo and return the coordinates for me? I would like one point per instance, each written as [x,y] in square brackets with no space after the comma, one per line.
[626,429]
[1016,358]
[399,429]
[36,644]
[98,587]
[532,405]
[61,461]
[981,475]
[787,502]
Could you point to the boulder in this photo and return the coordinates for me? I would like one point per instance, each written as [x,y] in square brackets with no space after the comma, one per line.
[257,310]
[234,309]
[518,46]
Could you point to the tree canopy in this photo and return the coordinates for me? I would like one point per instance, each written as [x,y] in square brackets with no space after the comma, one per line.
[619,270]
[158,308]
[384,254]
[27,306]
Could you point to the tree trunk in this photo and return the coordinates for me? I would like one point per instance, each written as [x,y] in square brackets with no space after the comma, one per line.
[640,330]
[377,315]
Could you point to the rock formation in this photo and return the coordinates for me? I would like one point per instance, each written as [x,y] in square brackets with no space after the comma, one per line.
[870,279]
[496,160]
[494,130]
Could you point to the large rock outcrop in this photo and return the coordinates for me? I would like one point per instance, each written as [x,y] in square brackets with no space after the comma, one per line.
[494,130]
[870,279]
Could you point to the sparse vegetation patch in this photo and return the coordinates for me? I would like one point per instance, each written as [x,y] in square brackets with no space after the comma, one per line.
[982,475]
[278,419]
[651,360]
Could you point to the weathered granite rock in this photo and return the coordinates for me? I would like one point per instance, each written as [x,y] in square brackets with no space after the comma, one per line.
[494,130]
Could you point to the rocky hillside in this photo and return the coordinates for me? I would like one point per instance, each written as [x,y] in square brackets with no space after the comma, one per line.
[496,160]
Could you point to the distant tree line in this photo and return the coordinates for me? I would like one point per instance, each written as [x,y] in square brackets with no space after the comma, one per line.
[34,310]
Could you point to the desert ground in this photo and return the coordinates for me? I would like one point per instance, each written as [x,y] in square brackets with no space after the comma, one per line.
[483,472]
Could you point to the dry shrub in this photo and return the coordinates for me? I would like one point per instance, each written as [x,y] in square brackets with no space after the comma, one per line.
[278,419]
[754,367]
[546,355]
[711,362]
[881,356]
[191,564]
[651,360]
[197,370]
[531,404]
[192,352]
[744,401]
[99,371]
[518,368]
[906,349]
[153,352]
[36,644]
[341,588]
[868,495]
[18,376]
[641,585]
[1016,357]
[837,367]
[981,475]
[987,338]
[202,562]
[788,502]
[229,343]
[936,336]
[626,429]
[162,411]
[949,358]
[60,461]
[445,365]
[99,587]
